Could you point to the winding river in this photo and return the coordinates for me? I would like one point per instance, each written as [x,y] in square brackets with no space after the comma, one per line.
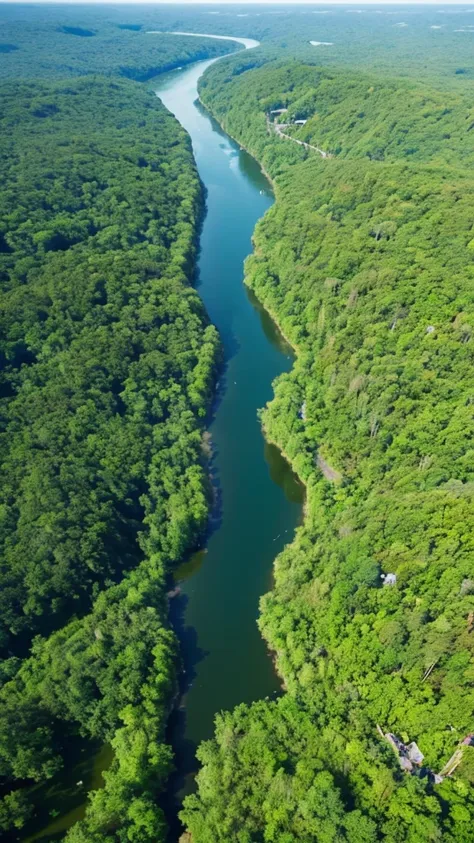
[260,500]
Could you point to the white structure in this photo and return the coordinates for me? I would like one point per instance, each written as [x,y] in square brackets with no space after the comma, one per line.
[389,579]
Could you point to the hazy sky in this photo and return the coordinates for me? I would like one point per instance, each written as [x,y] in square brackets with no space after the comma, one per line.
[325,3]
[258,2]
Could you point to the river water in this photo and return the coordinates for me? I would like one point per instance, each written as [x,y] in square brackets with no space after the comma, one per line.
[260,499]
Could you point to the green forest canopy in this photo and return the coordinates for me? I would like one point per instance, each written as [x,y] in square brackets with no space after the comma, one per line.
[48,49]
[367,264]
[417,41]
[108,366]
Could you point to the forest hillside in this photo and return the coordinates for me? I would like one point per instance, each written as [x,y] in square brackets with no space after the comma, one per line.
[366,262]
[418,41]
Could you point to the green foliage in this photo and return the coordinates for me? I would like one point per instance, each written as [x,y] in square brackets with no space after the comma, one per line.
[99,230]
[288,795]
[42,46]
[349,114]
[432,42]
[108,367]
[112,675]
[14,811]
[367,266]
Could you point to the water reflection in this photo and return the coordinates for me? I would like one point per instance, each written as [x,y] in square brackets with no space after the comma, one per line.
[62,801]
[190,566]
[282,475]
[270,328]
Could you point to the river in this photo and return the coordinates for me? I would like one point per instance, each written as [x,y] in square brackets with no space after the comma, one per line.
[260,499]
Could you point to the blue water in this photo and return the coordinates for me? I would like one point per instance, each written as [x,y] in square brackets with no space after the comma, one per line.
[260,499]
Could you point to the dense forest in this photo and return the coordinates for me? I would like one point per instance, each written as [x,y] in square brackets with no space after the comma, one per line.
[366,262]
[348,115]
[417,41]
[108,365]
[50,49]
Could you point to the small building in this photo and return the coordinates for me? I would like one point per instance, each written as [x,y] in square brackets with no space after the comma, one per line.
[300,122]
[395,742]
[415,754]
[408,756]
[389,579]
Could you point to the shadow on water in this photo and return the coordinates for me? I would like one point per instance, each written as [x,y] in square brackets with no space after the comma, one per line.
[61,801]
[284,478]
[181,780]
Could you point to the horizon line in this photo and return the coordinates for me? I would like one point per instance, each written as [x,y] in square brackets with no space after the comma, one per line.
[239,3]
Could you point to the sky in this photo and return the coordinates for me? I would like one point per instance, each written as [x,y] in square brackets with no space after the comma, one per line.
[325,3]
[256,2]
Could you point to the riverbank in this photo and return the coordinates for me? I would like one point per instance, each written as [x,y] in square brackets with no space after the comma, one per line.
[247,43]
[260,500]
[367,589]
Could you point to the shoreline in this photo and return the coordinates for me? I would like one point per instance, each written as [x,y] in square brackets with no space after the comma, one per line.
[278,683]
[247,43]
[272,654]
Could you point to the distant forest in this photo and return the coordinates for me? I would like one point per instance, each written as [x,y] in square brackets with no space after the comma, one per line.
[46,52]
[418,42]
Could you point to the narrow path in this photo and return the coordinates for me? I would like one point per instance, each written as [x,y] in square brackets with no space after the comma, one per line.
[329,472]
[277,128]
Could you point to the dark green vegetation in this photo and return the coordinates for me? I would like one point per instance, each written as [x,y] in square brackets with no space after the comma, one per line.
[366,260]
[76,30]
[108,363]
[41,46]
[434,42]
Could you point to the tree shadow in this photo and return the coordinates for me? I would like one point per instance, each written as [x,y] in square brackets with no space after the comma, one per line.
[186,765]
